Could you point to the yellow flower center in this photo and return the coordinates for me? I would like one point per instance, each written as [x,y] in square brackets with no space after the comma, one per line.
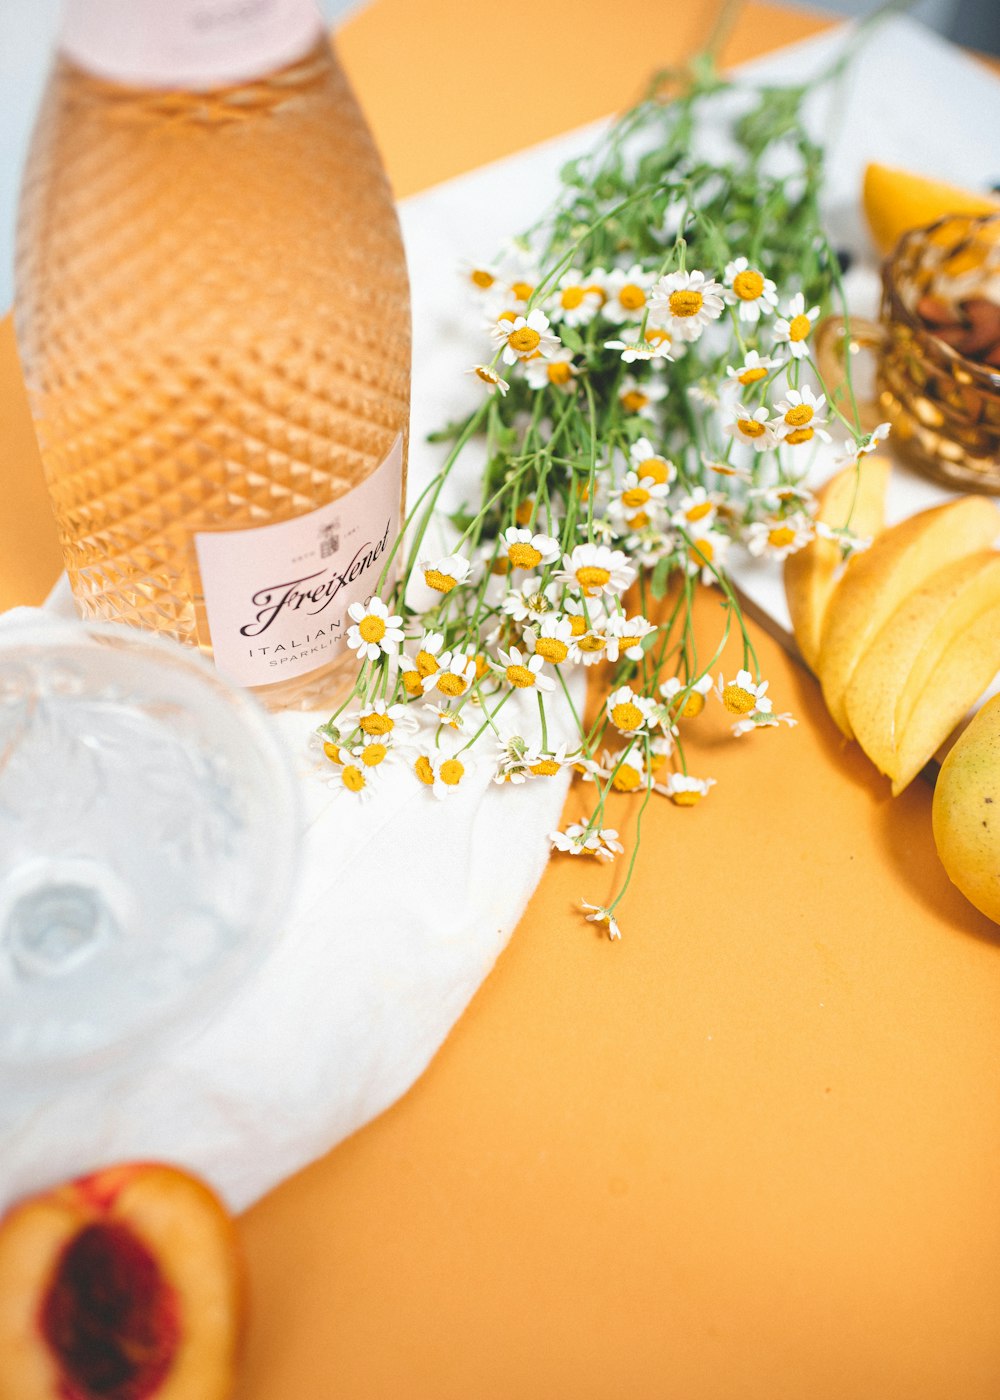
[701,552]
[424,771]
[751,427]
[577,624]
[520,676]
[737,700]
[687,797]
[524,340]
[591,642]
[638,522]
[552,649]
[627,717]
[657,761]
[443,583]
[571,297]
[598,291]
[634,400]
[653,469]
[781,536]
[545,768]
[411,683]
[632,297]
[627,779]
[655,335]
[353,778]
[377,724]
[332,752]
[753,375]
[522,290]
[486,375]
[798,328]
[592,578]
[371,628]
[799,415]
[693,705]
[699,510]
[507,316]
[800,435]
[635,497]
[426,664]
[524,556]
[748,285]
[685,303]
[500,565]
[482,665]
[373,754]
[560,372]
[482,278]
[450,684]
[627,643]
[524,511]
[451,772]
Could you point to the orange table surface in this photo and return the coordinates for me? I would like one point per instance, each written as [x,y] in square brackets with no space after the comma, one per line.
[749,1152]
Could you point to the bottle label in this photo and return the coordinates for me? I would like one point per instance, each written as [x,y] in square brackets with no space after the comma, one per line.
[276,596]
[187,43]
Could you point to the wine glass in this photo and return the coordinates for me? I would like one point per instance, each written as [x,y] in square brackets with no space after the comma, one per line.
[148,835]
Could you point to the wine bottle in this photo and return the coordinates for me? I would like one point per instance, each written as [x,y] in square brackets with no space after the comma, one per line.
[212,314]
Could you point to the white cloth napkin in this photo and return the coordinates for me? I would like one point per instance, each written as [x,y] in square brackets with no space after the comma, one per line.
[402,909]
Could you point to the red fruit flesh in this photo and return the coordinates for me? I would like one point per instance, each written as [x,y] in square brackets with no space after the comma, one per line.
[110,1317]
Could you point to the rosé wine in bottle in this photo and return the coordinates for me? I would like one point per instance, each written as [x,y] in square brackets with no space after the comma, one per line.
[212,313]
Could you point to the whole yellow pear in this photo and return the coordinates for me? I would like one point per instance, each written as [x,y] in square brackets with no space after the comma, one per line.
[966,811]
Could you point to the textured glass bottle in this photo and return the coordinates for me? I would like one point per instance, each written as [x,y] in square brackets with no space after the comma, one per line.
[212,312]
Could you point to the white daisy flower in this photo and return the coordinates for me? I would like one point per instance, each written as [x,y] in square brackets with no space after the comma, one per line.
[801,417]
[624,636]
[686,791]
[752,427]
[868,443]
[596,569]
[577,299]
[527,550]
[455,672]
[696,511]
[354,779]
[635,498]
[600,915]
[641,397]
[478,276]
[554,371]
[524,671]
[546,764]
[754,368]
[626,771]
[760,720]
[686,302]
[442,773]
[704,554]
[794,327]
[588,649]
[637,347]
[552,639]
[379,718]
[524,337]
[513,755]
[374,751]
[487,375]
[445,573]
[414,669]
[528,601]
[375,632]
[742,696]
[444,714]
[779,495]
[626,293]
[648,465]
[755,294]
[628,711]
[778,537]
[582,840]
[726,469]
[686,700]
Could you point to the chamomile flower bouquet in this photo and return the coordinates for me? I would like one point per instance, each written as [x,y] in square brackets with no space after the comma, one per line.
[649,403]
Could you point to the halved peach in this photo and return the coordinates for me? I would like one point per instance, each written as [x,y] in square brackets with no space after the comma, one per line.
[122,1285]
